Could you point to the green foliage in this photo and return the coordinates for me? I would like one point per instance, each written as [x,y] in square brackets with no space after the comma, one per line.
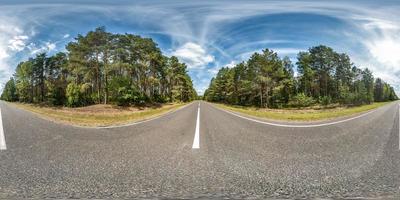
[325,100]
[383,91]
[265,80]
[25,81]
[10,91]
[123,93]
[301,100]
[345,96]
[78,95]
[55,93]
[101,67]
[74,96]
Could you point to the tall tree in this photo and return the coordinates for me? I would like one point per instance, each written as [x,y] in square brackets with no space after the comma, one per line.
[101,67]
[10,91]
[324,76]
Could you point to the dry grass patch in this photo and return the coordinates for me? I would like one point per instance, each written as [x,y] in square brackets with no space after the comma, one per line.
[99,115]
[305,115]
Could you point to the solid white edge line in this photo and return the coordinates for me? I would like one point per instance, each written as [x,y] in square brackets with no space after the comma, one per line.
[196,140]
[2,138]
[296,126]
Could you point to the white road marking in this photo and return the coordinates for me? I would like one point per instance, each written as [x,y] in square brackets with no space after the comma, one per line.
[296,126]
[196,140]
[2,138]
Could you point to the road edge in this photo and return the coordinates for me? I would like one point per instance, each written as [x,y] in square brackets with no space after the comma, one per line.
[288,124]
[131,123]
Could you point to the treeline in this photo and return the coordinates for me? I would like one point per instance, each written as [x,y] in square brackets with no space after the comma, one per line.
[101,67]
[324,77]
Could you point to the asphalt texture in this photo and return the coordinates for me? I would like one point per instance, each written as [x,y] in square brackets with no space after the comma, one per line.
[237,158]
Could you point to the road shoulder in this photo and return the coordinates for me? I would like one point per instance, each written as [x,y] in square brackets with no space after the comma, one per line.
[297,123]
[105,119]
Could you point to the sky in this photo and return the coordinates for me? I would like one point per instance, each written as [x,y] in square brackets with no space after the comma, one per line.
[209,35]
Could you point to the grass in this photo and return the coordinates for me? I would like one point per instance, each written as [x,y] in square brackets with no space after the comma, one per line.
[304,115]
[98,115]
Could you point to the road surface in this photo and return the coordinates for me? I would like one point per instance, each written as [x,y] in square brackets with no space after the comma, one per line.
[235,157]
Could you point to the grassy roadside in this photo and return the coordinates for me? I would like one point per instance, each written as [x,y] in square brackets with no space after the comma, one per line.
[302,115]
[98,115]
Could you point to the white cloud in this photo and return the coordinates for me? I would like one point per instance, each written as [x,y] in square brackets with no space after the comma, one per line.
[46,47]
[17,43]
[66,36]
[371,23]
[3,54]
[213,71]
[11,40]
[231,64]
[50,46]
[386,50]
[382,47]
[287,51]
[194,55]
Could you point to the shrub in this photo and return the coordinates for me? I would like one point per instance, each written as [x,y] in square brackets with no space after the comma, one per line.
[55,94]
[124,93]
[127,95]
[74,96]
[301,100]
[325,100]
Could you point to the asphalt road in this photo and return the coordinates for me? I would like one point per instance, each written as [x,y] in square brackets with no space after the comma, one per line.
[236,158]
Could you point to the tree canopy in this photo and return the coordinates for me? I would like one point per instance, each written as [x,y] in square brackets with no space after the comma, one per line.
[324,76]
[102,67]
[123,69]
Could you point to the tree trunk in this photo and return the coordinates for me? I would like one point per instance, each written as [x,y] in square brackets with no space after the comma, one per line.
[105,77]
[32,91]
[266,97]
[106,88]
[98,86]
[261,97]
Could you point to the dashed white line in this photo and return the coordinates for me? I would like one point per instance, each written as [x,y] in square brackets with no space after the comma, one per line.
[2,138]
[296,126]
[196,140]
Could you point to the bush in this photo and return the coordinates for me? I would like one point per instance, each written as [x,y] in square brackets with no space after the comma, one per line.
[55,94]
[76,95]
[124,93]
[127,95]
[72,94]
[325,100]
[301,100]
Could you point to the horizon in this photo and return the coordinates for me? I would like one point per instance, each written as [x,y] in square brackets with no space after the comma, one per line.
[210,35]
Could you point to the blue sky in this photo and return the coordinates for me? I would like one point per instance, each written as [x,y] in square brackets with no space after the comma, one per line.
[208,35]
